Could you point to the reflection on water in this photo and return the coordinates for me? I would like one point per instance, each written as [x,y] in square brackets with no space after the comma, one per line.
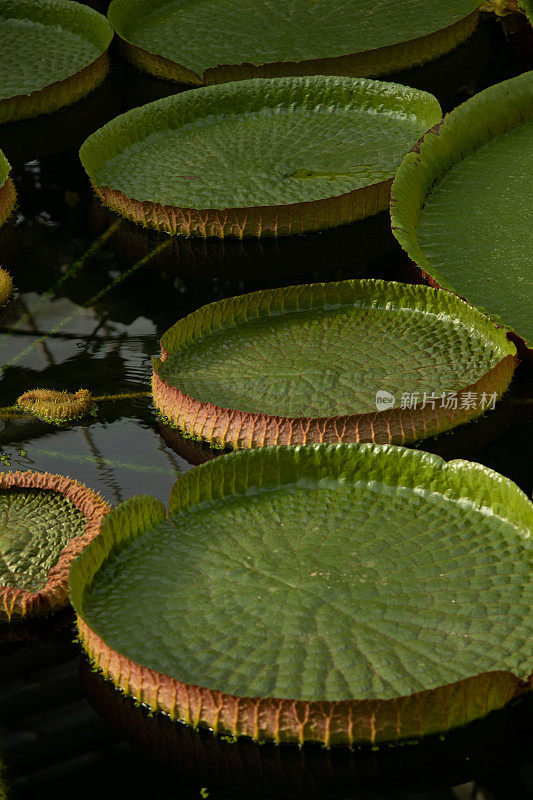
[95,296]
[359,247]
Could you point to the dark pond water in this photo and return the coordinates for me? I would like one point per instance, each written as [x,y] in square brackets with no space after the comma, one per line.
[95,295]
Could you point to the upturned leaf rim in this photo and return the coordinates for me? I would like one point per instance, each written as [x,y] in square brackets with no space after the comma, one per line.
[460,133]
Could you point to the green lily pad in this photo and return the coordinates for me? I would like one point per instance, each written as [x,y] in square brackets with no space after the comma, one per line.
[347,361]
[259,157]
[8,195]
[337,593]
[462,203]
[34,528]
[45,520]
[212,41]
[53,53]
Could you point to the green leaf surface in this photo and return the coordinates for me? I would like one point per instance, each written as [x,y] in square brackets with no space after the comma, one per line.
[45,41]
[260,142]
[201,34]
[35,526]
[462,208]
[324,350]
[325,572]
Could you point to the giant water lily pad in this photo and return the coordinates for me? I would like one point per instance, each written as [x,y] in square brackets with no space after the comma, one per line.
[212,41]
[258,157]
[7,189]
[53,53]
[462,203]
[45,520]
[347,361]
[337,593]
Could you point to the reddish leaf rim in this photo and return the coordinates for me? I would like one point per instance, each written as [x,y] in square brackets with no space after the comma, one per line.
[343,722]
[253,221]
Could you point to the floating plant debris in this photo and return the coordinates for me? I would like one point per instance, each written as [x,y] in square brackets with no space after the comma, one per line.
[332,593]
[346,361]
[273,157]
[213,41]
[6,287]
[45,520]
[8,195]
[462,203]
[53,53]
[55,406]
